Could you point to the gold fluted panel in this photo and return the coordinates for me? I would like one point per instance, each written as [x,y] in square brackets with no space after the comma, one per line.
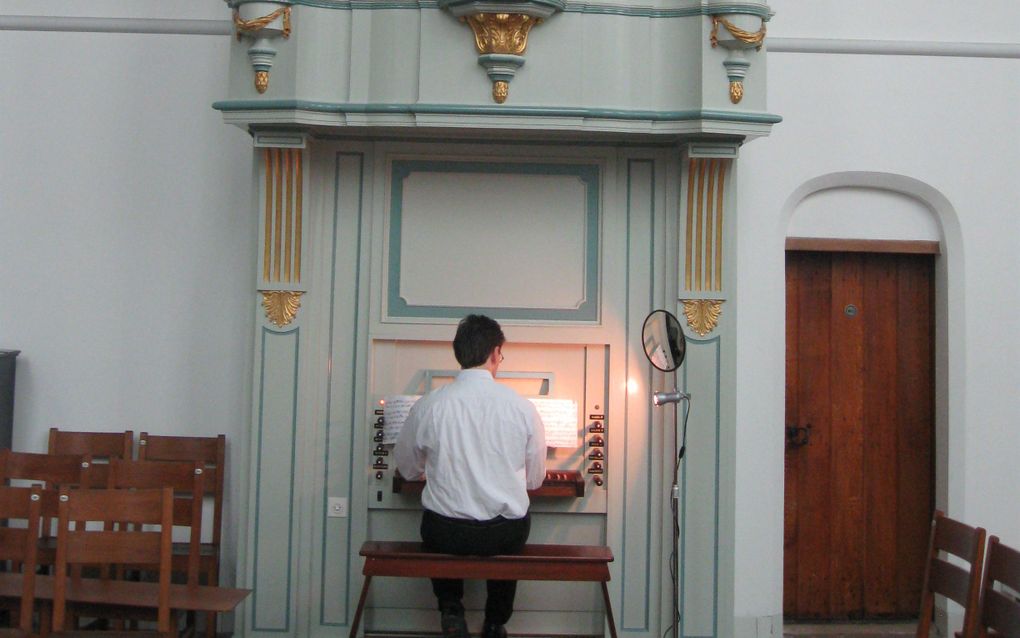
[703,239]
[501,32]
[282,233]
[281,247]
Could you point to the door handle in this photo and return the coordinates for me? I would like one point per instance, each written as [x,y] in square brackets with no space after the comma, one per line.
[798,436]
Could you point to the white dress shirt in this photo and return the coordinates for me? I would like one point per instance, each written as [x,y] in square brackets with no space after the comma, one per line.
[480,444]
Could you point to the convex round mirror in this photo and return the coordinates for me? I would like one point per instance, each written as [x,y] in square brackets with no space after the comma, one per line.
[664,340]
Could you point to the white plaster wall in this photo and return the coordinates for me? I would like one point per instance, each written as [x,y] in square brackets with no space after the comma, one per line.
[126,232]
[941,125]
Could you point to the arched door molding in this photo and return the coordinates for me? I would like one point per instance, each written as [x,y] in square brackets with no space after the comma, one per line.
[950,333]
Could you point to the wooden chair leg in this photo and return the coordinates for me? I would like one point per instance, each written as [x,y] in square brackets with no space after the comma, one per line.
[609,610]
[210,624]
[361,608]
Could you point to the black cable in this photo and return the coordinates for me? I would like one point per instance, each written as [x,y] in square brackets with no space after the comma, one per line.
[674,576]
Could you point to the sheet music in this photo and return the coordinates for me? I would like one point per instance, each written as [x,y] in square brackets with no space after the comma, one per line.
[395,409]
[560,419]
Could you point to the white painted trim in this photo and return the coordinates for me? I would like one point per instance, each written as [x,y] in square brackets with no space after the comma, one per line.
[115,25]
[1009,50]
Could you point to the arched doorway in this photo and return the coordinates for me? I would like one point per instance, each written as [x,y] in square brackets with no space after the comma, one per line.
[860,403]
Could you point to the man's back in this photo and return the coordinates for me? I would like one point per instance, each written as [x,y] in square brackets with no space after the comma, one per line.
[478,444]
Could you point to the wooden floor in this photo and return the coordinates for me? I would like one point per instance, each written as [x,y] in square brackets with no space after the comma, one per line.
[850,630]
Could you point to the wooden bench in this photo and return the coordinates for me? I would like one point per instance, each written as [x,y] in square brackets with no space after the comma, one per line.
[582,563]
[129,593]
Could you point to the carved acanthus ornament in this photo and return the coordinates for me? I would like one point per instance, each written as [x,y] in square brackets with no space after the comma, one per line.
[281,306]
[501,34]
[702,314]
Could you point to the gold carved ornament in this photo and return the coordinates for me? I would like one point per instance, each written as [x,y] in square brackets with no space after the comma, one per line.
[736,92]
[257,24]
[501,33]
[756,39]
[281,306]
[702,314]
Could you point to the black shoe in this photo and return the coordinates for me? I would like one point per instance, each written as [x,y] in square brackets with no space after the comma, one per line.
[454,626]
[490,630]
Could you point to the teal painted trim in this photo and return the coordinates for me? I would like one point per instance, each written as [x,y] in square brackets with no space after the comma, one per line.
[649,429]
[329,380]
[747,117]
[587,173]
[683,518]
[567,7]
[258,484]
[555,5]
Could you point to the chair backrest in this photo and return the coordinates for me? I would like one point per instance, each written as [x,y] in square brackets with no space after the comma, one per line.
[19,542]
[186,479]
[211,451]
[1000,611]
[100,447]
[942,576]
[124,536]
[51,470]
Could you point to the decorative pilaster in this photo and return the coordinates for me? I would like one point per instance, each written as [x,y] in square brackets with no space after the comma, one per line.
[501,34]
[708,166]
[261,21]
[281,233]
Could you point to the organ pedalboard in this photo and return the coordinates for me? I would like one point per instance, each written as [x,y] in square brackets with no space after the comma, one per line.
[557,483]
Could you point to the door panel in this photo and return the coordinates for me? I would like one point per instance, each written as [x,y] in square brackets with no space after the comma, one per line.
[859,491]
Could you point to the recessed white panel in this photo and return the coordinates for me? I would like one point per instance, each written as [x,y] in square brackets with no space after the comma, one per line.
[493,240]
[863,213]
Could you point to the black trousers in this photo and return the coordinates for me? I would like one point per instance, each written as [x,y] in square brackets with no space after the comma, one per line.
[476,538]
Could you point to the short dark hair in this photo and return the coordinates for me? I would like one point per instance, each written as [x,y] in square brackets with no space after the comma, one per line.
[477,336]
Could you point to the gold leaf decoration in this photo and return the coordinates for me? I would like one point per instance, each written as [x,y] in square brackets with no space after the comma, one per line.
[736,92]
[281,306]
[505,33]
[702,314]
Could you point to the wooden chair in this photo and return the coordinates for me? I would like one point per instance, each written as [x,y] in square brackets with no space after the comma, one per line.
[100,447]
[211,452]
[19,545]
[1000,611]
[950,579]
[51,471]
[123,538]
[187,480]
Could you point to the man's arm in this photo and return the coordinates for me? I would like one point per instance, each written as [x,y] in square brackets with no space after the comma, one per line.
[409,457]
[534,460]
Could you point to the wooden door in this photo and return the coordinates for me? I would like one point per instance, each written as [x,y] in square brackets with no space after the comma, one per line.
[860,423]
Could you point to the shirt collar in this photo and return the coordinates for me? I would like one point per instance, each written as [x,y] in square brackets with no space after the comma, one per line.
[474,373]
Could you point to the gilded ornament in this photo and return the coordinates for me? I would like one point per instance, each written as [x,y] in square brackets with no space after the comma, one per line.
[257,24]
[505,33]
[755,39]
[736,92]
[281,306]
[702,314]
[500,90]
[261,81]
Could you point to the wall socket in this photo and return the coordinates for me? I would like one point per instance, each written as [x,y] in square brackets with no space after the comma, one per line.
[336,507]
